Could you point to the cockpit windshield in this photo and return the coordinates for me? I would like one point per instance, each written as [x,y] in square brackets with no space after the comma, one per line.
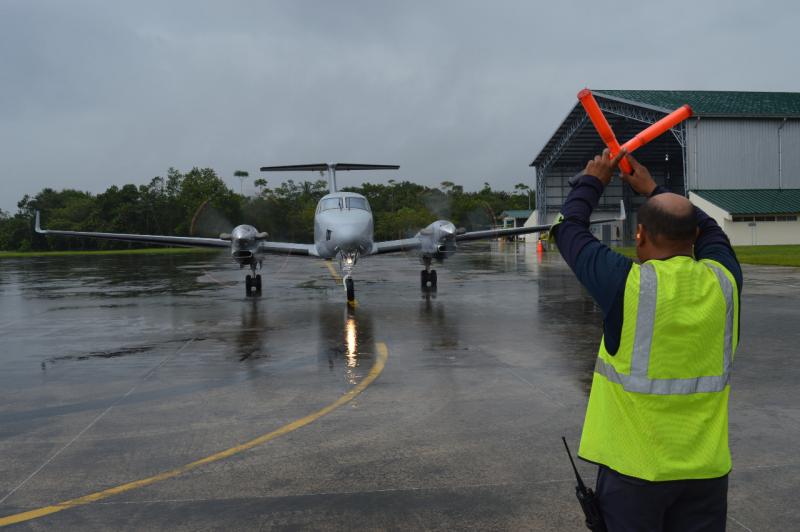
[330,204]
[357,203]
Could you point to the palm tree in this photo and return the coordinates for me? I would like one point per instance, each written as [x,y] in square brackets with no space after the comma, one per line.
[261,183]
[524,189]
[242,175]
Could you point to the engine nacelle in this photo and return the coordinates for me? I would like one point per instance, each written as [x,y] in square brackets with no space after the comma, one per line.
[438,240]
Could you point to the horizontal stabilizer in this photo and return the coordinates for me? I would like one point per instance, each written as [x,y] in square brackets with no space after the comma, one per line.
[330,168]
[322,167]
[319,167]
[349,166]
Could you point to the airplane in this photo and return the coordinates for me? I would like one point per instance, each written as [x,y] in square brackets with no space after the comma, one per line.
[343,230]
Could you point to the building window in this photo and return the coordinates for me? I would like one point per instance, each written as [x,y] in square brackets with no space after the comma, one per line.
[784,218]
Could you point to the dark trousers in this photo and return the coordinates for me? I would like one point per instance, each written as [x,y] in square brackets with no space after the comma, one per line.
[632,504]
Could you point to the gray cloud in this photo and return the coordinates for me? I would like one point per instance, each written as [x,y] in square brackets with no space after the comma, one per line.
[101,93]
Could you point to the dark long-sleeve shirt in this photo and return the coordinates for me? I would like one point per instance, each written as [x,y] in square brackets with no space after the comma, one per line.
[603,271]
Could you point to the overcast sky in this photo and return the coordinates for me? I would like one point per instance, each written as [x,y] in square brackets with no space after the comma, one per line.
[100,93]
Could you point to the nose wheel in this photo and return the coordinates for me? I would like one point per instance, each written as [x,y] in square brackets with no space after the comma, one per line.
[428,280]
[427,277]
[252,285]
[350,288]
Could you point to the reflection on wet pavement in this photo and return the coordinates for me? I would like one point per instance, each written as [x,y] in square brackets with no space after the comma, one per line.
[482,379]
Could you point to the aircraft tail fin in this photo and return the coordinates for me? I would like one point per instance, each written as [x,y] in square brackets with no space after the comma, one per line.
[328,167]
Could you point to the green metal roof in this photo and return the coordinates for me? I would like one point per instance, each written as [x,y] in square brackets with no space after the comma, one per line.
[715,103]
[516,214]
[754,201]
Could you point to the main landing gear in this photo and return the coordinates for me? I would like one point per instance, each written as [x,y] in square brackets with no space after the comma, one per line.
[252,283]
[427,277]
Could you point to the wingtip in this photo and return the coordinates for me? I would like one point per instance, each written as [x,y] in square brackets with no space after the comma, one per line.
[622,214]
[38,227]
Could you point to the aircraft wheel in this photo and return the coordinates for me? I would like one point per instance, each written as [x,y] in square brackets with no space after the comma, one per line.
[432,279]
[248,285]
[351,289]
[423,279]
[258,284]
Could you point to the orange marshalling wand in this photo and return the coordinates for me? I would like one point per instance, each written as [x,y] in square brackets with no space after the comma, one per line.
[659,128]
[646,135]
[603,127]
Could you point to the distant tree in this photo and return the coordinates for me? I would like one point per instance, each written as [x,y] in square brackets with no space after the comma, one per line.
[261,183]
[242,175]
[524,189]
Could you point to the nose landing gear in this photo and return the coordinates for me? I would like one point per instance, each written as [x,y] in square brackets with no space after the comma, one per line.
[427,277]
[252,283]
[347,260]
[350,288]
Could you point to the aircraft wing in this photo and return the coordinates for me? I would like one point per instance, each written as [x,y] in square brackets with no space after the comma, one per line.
[416,242]
[287,248]
[183,241]
[391,246]
[511,231]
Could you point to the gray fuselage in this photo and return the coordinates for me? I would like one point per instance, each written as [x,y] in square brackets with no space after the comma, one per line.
[343,224]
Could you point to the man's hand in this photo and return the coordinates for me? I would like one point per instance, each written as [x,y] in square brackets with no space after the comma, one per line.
[602,166]
[641,181]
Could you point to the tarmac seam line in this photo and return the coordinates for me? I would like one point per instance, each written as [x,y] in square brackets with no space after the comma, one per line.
[95,420]
[375,371]
[740,524]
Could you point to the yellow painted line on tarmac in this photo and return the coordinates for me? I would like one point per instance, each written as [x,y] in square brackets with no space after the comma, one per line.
[375,371]
[333,271]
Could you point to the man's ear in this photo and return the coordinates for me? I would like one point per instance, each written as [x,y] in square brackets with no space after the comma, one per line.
[640,235]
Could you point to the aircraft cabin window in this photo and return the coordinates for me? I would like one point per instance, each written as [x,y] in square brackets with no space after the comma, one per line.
[357,203]
[330,204]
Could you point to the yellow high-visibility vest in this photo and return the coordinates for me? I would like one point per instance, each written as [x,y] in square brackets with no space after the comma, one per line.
[658,409]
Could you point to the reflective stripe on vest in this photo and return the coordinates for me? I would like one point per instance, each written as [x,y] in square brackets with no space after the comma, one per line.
[638,380]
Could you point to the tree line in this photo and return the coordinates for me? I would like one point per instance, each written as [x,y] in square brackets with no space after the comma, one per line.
[199,203]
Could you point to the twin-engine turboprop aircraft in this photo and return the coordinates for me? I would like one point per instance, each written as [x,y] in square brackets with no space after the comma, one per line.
[343,230]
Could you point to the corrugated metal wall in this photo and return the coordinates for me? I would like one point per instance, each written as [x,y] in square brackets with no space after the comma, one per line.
[743,153]
[790,160]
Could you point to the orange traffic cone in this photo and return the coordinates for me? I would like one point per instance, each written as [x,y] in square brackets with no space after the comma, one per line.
[539,246]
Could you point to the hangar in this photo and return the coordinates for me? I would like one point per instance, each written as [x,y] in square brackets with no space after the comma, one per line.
[738,158]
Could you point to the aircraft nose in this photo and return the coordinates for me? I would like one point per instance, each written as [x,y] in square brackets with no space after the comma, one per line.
[352,235]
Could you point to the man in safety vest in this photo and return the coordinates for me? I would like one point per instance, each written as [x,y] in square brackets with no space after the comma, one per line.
[657,419]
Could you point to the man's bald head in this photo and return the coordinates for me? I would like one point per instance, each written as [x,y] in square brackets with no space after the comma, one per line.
[669,217]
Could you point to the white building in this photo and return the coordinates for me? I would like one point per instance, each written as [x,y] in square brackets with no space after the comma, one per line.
[753,217]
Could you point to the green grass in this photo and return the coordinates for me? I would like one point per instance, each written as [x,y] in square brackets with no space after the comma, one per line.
[764,255]
[144,251]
